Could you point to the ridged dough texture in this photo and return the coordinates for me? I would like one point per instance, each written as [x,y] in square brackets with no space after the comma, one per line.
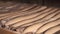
[29,18]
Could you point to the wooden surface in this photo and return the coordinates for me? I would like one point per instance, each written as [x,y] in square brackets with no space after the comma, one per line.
[4,31]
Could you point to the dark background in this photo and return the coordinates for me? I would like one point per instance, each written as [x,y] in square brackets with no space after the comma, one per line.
[50,3]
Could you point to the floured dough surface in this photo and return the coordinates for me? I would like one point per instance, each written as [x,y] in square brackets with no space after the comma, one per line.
[29,18]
